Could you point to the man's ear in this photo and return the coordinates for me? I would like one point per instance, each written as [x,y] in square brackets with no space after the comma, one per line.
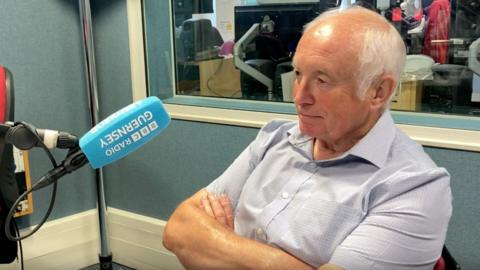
[380,94]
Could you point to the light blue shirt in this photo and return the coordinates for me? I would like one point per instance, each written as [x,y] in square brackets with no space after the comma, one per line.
[383,204]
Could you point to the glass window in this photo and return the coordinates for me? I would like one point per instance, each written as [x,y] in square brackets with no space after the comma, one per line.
[242,50]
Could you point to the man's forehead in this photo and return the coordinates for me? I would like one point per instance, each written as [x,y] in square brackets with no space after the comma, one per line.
[323,31]
[330,39]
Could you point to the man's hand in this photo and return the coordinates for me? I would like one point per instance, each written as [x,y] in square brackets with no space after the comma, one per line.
[204,240]
[219,208]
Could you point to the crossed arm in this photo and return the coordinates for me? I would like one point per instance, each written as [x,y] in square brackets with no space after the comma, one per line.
[200,232]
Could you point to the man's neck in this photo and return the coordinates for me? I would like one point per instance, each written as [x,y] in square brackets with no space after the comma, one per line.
[326,148]
[323,150]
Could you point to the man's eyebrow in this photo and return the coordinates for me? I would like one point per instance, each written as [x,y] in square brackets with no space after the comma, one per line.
[321,72]
[315,72]
[293,62]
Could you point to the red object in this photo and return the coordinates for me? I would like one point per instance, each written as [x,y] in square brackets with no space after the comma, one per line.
[397,14]
[436,33]
[440,265]
[418,14]
[3,93]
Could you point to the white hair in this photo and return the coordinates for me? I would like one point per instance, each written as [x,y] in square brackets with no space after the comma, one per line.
[383,51]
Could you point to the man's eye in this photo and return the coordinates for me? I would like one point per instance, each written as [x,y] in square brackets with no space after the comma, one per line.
[321,80]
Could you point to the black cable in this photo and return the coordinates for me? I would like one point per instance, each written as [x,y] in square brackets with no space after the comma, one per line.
[40,224]
[17,232]
[31,189]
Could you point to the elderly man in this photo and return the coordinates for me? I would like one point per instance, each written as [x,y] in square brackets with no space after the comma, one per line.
[342,188]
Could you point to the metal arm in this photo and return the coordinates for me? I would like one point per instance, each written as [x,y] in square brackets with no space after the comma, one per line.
[239,55]
[473,52]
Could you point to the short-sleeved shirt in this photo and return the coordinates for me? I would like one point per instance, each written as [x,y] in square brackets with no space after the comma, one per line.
[383,204]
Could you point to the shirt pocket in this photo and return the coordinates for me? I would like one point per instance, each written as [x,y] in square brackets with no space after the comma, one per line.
[318,227]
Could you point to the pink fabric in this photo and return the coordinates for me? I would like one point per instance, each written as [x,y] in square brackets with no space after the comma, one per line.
[226,48]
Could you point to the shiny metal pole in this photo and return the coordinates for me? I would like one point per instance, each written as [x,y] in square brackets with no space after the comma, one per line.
[105,255]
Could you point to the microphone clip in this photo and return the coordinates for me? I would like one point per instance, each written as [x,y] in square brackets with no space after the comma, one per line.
[75,159]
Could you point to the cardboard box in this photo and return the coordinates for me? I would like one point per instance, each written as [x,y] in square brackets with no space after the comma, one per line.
[219,78]
[408,96]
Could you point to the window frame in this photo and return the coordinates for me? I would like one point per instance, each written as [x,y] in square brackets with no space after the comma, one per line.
[424,128]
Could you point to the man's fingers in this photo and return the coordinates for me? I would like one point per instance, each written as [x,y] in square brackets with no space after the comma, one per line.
[217,209]
[205,205]
[227,209]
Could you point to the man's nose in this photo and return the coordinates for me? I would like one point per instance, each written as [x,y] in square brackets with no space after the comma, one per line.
[301,92]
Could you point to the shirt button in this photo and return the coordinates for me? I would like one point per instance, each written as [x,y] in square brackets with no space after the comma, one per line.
[259,231]
[285,195]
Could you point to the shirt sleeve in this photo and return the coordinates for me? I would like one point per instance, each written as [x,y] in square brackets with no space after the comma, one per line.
[405,231]
[232,180]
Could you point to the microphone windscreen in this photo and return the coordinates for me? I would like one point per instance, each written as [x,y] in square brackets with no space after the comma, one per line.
[124,131]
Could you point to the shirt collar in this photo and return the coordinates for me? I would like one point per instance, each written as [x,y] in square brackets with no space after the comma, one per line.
[296,137]
[373,147]
[376,145]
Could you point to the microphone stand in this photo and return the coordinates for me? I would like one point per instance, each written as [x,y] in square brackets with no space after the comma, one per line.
[105,256]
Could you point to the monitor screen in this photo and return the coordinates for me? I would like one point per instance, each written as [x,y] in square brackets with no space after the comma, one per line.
[202,6]
[185,8]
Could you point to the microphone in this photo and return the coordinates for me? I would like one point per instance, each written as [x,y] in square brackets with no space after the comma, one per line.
[113,138]
[21,136]
[124,131]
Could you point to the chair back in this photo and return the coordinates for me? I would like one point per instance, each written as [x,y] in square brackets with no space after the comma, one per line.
[446,261]
[6,95]
[199,39]
[8,184]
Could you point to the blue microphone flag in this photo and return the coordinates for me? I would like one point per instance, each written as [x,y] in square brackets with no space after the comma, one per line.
[124,131]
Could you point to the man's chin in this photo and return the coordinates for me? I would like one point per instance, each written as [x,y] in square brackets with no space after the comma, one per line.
[307,129]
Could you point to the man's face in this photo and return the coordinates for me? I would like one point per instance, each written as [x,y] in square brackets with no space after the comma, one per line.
[325,86]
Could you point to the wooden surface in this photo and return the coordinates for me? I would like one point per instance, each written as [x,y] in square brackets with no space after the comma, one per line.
[22,162]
